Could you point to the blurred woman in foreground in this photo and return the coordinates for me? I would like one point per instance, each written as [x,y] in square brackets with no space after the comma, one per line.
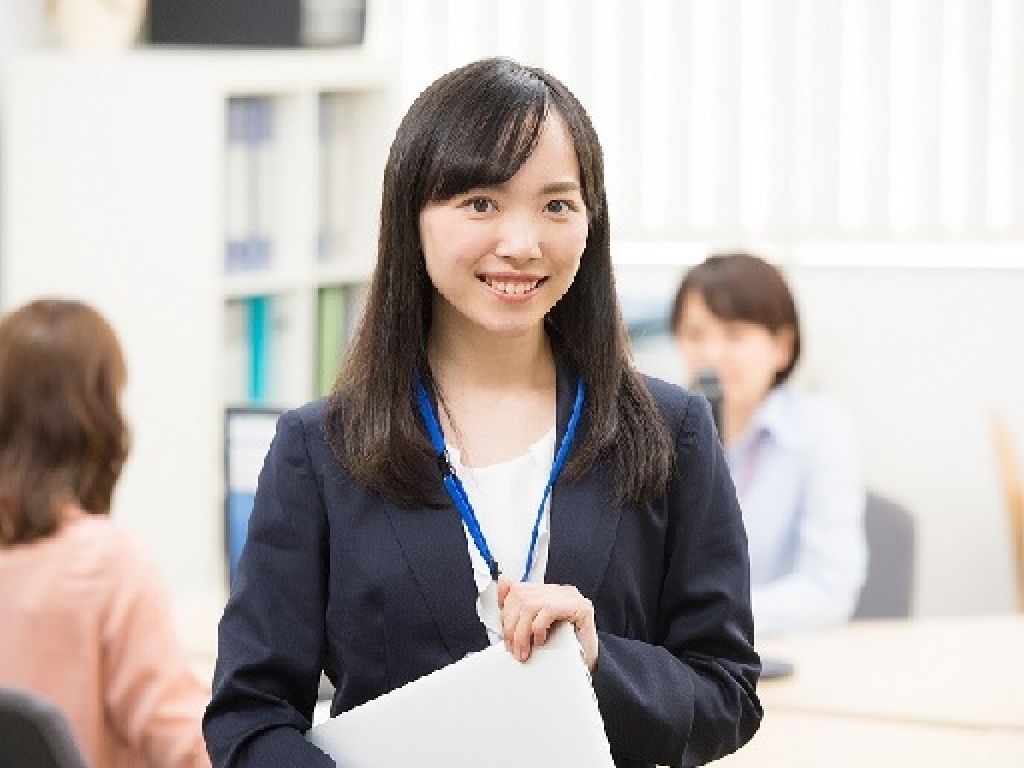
[86,619]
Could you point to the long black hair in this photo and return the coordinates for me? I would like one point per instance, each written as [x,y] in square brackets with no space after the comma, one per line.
[475,126]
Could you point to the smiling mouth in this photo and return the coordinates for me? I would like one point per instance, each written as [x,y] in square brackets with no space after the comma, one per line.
[512,287]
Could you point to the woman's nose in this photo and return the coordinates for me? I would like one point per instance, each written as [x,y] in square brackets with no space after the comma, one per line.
[517,237]
[714,353]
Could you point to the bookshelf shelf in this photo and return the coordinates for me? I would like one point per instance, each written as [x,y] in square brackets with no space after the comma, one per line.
[266,282]
[195,197]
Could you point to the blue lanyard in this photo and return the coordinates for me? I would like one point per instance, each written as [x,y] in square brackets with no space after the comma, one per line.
[458,492]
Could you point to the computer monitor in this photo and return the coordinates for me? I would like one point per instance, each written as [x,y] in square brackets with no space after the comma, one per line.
[247,435]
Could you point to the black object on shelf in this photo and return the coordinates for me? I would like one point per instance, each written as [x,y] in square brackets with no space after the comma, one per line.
[257,23]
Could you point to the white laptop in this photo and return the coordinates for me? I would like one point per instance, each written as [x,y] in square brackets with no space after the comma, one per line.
[487,709]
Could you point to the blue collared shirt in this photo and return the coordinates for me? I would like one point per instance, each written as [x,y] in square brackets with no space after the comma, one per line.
[798,479]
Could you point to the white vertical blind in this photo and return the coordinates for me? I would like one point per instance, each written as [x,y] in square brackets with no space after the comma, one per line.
[607,69]
[1004,170]
[863,152]
[915,72]
[963,119]
[814,123]
[849,120]
[765,195]
[659,127]
[703,151]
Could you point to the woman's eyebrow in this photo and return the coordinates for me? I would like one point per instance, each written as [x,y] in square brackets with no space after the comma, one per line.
[552,188]
[560,187]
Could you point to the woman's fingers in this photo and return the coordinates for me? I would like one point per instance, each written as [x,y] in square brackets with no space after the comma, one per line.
[504,585]
[528,611]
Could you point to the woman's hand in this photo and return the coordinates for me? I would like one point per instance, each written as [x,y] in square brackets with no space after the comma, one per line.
[528,612]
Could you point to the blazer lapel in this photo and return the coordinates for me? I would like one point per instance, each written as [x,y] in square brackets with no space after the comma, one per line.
[434,544]
[583,527]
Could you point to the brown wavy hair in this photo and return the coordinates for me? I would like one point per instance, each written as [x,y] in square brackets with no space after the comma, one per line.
[63,438]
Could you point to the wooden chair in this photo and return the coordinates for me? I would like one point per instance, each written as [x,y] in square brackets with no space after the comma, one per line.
[1013,494]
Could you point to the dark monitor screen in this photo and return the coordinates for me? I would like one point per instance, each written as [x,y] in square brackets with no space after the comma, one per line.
[247,435]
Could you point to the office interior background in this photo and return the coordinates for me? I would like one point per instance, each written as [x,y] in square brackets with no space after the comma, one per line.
[870,147]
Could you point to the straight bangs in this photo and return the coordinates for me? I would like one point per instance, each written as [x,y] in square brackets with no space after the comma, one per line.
[487,140]
[728,303]
[745,301]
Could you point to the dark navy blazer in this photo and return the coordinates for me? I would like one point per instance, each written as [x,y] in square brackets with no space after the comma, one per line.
[333,577]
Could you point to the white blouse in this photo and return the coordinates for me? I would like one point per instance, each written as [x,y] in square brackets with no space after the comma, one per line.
[505,498]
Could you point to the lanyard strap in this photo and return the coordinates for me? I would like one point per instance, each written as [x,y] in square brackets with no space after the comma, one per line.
[457,491]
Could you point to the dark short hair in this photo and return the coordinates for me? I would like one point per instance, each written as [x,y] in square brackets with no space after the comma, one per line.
[63,438]
[744,287]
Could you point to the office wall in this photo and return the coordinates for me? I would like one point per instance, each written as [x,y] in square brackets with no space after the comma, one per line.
[21,26]
[924,358]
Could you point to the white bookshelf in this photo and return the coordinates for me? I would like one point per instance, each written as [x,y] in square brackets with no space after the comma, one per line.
[114,174]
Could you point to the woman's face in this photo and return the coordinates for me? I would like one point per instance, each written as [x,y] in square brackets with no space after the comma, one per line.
[746,356]
[500,256]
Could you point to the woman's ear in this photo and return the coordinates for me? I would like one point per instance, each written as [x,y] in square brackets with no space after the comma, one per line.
[784,340]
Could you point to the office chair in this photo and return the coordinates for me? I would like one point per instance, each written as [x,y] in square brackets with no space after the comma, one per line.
[1013,494]
[888,590]
[34,732]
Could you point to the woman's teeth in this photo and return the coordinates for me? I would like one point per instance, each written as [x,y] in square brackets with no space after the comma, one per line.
[511,287]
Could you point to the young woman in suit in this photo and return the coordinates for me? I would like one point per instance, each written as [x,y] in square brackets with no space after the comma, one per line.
[490,463]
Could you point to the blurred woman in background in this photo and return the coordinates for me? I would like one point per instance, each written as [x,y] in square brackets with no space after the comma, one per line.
[793,455]
[86,619]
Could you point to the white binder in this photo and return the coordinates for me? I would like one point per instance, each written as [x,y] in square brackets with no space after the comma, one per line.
[487,709]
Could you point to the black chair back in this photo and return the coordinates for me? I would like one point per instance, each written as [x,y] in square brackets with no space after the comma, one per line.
[34,732]
[888,591]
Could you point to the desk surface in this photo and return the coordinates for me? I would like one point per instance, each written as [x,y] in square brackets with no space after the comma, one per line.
[790,740]
[892,682]
[965,672]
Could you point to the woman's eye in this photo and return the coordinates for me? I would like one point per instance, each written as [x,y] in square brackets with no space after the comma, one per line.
[737,331]
[560,207]
[480,204]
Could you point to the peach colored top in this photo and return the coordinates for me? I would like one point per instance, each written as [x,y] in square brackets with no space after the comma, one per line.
[86,622]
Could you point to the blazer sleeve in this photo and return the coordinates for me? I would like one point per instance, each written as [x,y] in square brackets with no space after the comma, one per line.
[271,637]
[690,697]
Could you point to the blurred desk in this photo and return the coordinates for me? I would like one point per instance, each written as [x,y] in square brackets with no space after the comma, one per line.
[936,692]
[965,672]
[790,740]
[943,692]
